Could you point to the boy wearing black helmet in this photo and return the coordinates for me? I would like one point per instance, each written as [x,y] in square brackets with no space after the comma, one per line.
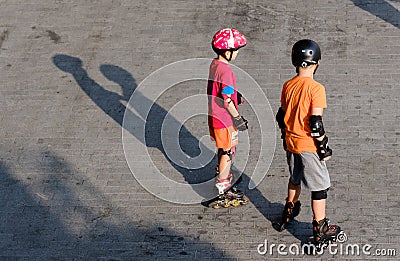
[300,119]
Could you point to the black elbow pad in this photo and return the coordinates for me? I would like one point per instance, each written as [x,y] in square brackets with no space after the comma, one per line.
[240,98]
[280,118]
[316,125]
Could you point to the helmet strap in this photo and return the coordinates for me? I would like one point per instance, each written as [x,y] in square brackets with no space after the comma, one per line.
[316,68]
[230,55]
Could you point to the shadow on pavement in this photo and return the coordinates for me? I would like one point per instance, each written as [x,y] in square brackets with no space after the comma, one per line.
[273,211]
[382,9]
[110,103]
[54,213]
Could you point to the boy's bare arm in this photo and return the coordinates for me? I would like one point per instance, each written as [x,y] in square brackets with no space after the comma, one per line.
[231,107]
[239,122]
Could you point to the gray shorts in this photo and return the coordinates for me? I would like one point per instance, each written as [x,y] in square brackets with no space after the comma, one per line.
[307,168]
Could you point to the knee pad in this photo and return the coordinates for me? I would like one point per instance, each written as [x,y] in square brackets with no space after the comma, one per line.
[318,195]
[222,152]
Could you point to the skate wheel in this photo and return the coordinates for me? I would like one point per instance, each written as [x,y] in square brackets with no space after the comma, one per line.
[227,205]
[216,206]
[235,203]
[278,226]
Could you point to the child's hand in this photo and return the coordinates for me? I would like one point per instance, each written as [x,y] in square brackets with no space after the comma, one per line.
[324,151]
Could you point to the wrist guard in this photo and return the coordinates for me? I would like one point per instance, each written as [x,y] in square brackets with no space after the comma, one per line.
[240,123]
[323,148]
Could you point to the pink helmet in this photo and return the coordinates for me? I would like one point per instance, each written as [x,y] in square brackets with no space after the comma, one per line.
[228,39]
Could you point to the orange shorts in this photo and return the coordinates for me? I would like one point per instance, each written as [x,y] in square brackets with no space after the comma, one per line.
[225,138]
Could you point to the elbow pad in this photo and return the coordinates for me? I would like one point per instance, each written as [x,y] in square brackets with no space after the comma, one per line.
[240,98]
[316,125]
[280,118]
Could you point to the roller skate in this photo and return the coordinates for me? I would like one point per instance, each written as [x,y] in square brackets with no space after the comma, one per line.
[228,195]
[325,234]
[224,185]
[236,197]
[220,202]
[290,211]
[233,197]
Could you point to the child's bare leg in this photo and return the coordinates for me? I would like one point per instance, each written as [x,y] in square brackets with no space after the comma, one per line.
[318,208]
[224,179]
[293,192]
[224,166]
[291,208]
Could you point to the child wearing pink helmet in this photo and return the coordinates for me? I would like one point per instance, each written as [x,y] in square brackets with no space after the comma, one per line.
[224,119]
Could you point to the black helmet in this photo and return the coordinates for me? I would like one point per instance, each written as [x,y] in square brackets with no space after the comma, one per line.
[305,52]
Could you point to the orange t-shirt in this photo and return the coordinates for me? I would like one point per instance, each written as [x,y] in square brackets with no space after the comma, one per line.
[299,95]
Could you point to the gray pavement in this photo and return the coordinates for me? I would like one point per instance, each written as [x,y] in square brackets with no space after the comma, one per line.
[68,68]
